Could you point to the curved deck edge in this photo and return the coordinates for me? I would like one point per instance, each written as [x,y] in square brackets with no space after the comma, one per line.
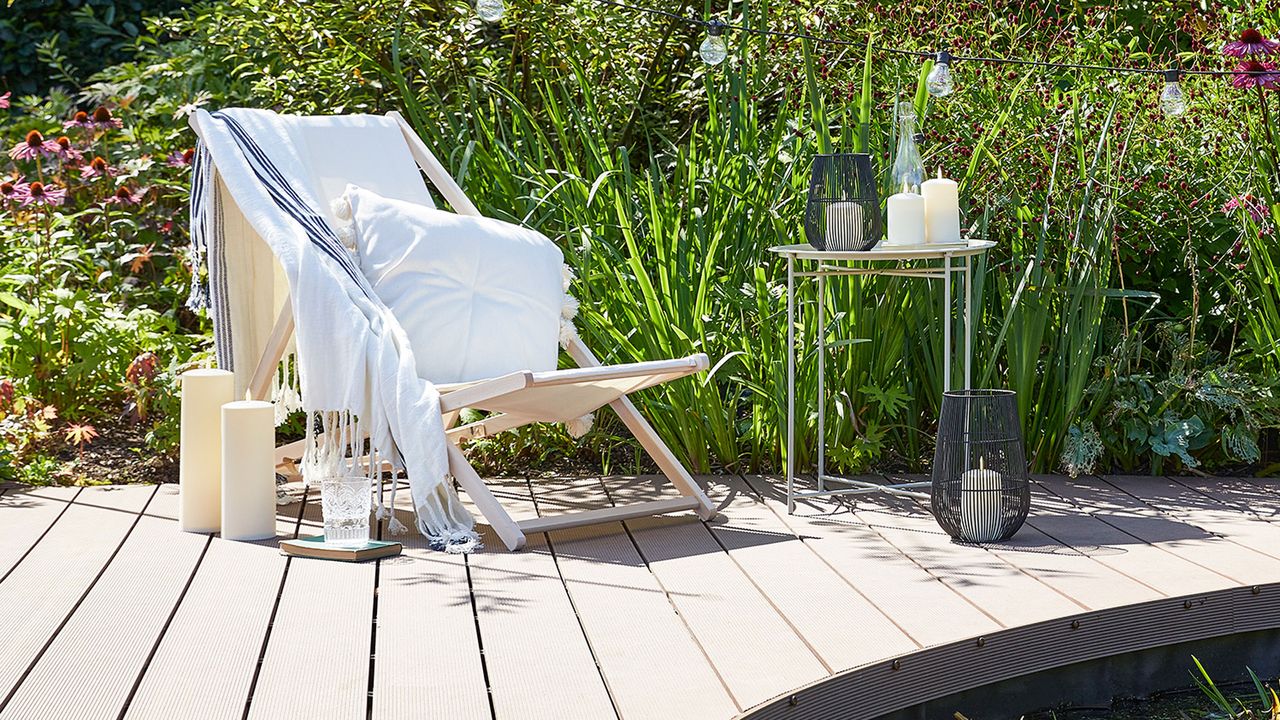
[902,682]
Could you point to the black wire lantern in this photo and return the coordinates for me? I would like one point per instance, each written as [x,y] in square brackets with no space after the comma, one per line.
[843,212]
[981,492]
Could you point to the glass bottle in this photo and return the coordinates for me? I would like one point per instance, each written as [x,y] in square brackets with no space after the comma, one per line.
[908,169]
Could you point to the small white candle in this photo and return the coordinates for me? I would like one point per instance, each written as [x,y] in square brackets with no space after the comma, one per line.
[844,221]
[906,224]
[248,470]
[200,448]
[980,499]
[941,210]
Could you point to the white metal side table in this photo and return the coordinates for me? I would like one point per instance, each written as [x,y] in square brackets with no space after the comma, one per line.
[821,264]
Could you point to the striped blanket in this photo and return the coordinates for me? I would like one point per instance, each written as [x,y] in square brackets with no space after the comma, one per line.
[353,365]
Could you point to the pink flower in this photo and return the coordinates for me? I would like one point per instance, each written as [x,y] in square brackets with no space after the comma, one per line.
[1252,73]
[66,151]
[125,195]
[79,120]
[33,146]
[40,194]
[1251,42]
[180,159]
[13,191]
[1250,204]
[4,100]
[96,168]
[103,120]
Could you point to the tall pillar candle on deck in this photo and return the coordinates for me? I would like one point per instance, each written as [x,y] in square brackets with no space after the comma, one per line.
[941,210]
[248,470]
[906,219]
[204,392]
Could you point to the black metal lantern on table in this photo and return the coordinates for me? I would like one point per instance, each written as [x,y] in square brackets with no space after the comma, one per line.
[843,210]
[981,492]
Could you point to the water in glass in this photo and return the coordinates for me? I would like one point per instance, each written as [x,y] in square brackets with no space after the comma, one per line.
[346,502]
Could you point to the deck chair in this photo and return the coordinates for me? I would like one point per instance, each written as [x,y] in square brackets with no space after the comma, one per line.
[392,162]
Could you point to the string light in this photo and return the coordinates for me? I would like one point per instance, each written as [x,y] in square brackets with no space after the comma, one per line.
[713,49]
[939,82]
[490,11]
[1172,100]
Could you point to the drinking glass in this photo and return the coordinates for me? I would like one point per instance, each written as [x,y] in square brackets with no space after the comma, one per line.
[346,503]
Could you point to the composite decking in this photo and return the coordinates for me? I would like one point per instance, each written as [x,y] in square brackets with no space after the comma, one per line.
[845,609]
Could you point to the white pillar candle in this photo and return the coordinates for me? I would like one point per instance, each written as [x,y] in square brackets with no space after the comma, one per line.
[906,219]
[981,515]
[844,221]
[200,448]
[941,210]
[248,470]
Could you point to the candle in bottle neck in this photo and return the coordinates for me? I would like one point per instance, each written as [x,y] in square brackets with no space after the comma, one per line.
[941,210]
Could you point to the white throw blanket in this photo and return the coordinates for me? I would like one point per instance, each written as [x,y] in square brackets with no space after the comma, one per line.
[354,364]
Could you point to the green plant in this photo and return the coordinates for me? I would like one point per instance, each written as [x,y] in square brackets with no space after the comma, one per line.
[1266,704]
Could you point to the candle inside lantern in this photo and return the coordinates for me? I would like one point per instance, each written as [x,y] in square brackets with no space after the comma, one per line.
[941,210]
[200,448]
[844,221]
[906,222]
[981,514]
[248,470]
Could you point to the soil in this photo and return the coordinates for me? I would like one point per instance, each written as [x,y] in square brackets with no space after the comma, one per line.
[117,456]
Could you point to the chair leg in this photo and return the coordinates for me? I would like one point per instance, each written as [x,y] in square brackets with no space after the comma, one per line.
[662,455]
[471,482]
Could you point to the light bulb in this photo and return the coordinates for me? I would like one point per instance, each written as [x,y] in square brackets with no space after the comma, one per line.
[490,11]
[713,50]
[939,82]
[1172,100]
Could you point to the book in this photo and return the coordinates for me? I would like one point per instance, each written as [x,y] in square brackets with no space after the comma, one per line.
[315,547]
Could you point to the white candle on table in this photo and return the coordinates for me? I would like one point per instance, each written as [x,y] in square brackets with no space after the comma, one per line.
[200,448]
[941,210]
[248,470]
[844,221]
[906,222]
[981,515]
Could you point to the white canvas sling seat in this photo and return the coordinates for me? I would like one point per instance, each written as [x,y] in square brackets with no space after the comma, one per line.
[390,160]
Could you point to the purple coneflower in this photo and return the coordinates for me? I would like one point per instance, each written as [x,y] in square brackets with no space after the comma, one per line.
[1252,73]
[13,191]
[33,146]
[1251,42]
[40,194]
[4,100]
[1249,203]
[96,168]
[66,151]
[103,120]
[125,195]
[79,120]
[180,159]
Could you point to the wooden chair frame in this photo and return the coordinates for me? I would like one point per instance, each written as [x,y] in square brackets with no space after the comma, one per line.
[455,398]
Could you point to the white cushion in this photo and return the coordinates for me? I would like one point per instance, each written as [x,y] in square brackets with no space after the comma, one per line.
[477,297]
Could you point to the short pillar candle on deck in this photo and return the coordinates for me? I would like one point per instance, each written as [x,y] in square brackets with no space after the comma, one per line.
[204,392]
[248,470]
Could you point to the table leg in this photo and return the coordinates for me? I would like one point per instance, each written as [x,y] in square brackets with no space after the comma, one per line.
[822,373]
[968,323]
[946,322]
[791,384]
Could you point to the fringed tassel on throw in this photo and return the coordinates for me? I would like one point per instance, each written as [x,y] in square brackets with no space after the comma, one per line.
[581,426]
[286,391]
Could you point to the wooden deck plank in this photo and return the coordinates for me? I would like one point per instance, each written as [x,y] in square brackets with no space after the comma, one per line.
[1152,565]
[51,580]
[108,638]
[841,625]
[654,668]
[1225,521]
[427,653]
[316,663]
[927,610]
[199,675]
[25,515]
[711,592]
[1164,531]
[539,662]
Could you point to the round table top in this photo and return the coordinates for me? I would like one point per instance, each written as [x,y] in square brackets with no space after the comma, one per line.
[881,252]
